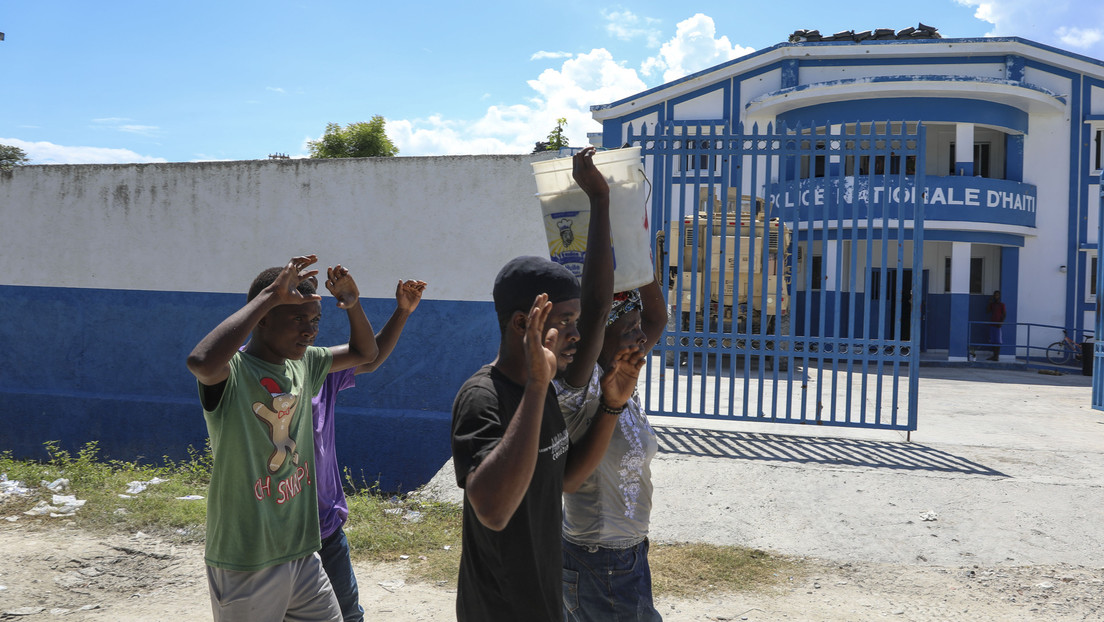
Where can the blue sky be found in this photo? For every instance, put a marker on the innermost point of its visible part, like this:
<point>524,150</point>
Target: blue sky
<point>150,81</point>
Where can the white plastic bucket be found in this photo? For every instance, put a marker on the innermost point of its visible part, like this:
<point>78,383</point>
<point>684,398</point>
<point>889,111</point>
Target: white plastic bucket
<point>566,213</point>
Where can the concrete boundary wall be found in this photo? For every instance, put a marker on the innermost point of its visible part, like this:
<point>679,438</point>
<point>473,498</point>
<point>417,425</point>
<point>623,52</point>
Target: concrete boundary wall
<point>113,272</point>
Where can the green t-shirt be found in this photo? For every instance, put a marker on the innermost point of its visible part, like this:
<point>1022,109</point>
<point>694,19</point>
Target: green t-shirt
<point>262,505</point>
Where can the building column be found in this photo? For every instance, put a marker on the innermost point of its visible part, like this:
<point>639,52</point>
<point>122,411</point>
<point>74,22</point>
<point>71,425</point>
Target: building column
<point>830,292</point>
<point>959,347</point>
<point>835,163</point>
<point>1013,157</point>
<point>1009,289</point>
<point>964,150</point>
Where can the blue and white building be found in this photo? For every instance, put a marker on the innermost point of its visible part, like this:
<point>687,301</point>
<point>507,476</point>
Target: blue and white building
<point>113,273</point>
<point>1013,133</point>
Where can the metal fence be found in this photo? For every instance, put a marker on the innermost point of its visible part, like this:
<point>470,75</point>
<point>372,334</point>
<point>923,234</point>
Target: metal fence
<point>791,256</point>
<point>1062,349</point>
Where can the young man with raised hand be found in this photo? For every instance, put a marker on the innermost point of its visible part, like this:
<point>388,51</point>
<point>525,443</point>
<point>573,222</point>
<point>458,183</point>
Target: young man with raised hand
<point>607,502</point>
<point>262,509</point>
<point>511,450</point>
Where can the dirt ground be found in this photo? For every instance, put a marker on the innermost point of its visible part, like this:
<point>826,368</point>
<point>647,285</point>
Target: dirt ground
<point>53,571</point>
<point>989,514</point>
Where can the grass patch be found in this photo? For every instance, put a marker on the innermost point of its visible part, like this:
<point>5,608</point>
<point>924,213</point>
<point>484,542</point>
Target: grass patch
<point>385,528</point>
<point>99,483</point>
<point>421,534</point>
<point>687,570</point>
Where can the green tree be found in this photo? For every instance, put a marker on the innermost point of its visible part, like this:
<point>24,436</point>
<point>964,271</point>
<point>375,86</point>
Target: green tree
<point>12,156</point>
<point>556,138</point>
<point>355,140</point>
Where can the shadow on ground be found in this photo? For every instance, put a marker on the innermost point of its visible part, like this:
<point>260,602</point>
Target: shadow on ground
<point>814,450</point>
<point>1013,373</point>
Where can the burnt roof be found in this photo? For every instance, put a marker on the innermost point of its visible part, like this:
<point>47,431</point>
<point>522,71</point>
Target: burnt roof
<point>921,31</point>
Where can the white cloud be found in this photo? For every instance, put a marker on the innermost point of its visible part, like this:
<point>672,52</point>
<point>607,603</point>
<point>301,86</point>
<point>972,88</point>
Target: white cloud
<point>276,89</point>
<point>1062,23</point>
<point>541,55</point>
<point>626,25</point>
<point>581,81</point>
<point>42,152</point>
<point>122,124</point>
<point>694,47</point>
<point>1079,37</point>
<point>567,92</point>
<point>144,130</point>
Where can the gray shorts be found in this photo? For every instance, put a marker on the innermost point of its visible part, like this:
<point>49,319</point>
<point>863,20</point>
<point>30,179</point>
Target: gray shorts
<point>294,591</point>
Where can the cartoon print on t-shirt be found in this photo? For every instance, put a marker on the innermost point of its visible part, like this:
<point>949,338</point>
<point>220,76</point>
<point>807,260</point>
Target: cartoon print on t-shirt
<point>278,419</point>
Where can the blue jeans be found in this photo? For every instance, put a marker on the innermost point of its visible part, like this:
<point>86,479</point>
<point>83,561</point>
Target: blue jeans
<point>339,568</point>
<point>607,585</point>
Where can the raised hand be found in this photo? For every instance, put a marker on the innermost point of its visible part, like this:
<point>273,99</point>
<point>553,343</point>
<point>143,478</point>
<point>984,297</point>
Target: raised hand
<point>587,175</point>
<point>285,287</point>
<point>408,294</point>
<point>619,380</point>
<point>539,356</point>
<point>342,286</point>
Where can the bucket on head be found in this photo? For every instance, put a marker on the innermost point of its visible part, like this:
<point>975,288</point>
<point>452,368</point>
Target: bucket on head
<point>566,211</point>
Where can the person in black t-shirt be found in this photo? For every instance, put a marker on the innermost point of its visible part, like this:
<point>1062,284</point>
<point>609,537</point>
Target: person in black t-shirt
<point>510,446</point>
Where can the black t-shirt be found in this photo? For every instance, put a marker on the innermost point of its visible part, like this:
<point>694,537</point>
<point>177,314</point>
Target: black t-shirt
<point>517,573</point>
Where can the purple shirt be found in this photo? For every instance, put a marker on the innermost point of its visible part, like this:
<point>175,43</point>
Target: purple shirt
<point>332,509</point>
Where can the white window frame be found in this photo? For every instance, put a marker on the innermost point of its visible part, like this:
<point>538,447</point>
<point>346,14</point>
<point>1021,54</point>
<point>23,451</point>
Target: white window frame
<point>1096,149</point>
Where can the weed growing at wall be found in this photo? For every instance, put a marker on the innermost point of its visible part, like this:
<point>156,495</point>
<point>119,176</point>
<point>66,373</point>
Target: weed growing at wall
<point>420,534</point>
<point>166,502</point>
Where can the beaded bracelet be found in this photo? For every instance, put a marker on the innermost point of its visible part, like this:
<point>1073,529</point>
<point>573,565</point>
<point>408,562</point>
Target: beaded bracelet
<point>610,411</point>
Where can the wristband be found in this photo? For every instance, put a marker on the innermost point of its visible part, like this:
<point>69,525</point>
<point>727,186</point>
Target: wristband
<point>608,410</point>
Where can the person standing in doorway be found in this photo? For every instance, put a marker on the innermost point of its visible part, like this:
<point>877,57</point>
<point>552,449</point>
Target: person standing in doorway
<point>997,313</point>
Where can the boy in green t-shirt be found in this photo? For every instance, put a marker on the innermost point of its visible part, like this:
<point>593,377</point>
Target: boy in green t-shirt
<point>262,508</point>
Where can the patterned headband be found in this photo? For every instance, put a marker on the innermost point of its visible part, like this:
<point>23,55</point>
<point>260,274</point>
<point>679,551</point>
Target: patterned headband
<point>623,302</point>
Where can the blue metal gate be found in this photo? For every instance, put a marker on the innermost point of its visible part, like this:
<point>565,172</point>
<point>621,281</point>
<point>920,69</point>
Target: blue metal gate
<point>1098,343</point>
<point>791,256</point>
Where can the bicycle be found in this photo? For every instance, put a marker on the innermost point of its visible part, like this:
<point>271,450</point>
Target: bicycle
<point>1060,352</point>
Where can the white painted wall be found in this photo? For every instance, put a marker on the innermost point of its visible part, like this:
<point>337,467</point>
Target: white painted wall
<point>766,82</point>
<point>814,75</point>
<point>1048,80</point>
<point>707,107</point>
<point>1041,284</point>
<point>211,227</point>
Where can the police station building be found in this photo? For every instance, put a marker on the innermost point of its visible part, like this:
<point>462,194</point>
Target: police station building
<point>1002,139</point>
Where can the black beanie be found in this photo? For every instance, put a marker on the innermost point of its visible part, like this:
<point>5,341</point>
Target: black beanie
<point>524,278</point>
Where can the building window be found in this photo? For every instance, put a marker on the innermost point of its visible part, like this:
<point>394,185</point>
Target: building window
<point>946,274</point>
<point>976,274</point>
<point>816,165</point>
<point>1098,157</point>
<point>981,159</point>
<point>1092,279</point>
<point>816,272</point>
<point>875,286</point>
<point>698,161</point>
<point>879,167</point>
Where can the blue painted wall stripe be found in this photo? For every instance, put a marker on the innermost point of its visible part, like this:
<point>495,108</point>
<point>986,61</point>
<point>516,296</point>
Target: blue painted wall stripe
<point>110,367</point>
